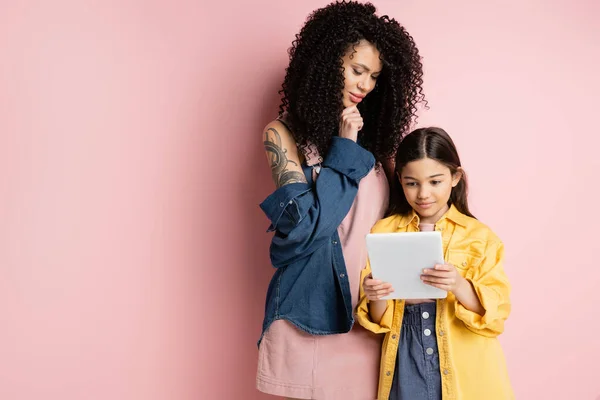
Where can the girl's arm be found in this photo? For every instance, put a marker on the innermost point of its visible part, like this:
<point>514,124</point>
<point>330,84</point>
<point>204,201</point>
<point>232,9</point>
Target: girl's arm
<point>482,296</point>
<point>492,289</point>
<point>377,309</point>
<point>465,294</point>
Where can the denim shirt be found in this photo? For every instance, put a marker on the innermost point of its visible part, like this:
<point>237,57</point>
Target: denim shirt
<point>310,287</point>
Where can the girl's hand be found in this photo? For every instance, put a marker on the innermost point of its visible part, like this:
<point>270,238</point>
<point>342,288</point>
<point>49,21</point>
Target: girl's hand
<point>443,276</point>
<point>376,289</point>
<point>350,123</point>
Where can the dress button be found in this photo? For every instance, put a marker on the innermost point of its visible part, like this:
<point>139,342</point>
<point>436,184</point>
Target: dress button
<point>280,204</point>
<point>427,332</point>
<point>441,333</point>
<point>334,242</point>
<point>446,372</point>
<point>394,337</point>
<point>342,275</point>
<point>464,263</point>
<point>388,373</point>
<point>429,351</point>
<point>425,315</point>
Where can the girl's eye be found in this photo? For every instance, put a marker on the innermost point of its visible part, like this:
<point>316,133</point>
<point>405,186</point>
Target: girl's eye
<point>375,77</point>
<point>356,72</point>
<point>434,183</point>
<point>411,184</point>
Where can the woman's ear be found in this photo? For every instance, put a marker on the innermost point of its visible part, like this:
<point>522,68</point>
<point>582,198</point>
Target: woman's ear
<point>457,176</point>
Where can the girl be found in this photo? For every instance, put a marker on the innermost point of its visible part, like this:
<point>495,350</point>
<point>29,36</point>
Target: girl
<point>446,348</point>
<point>349,94</point>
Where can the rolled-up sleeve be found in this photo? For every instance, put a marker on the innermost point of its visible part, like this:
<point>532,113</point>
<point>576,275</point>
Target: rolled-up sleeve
<point>304,217</point>
<point>284,202</point>
<point>493,290</point>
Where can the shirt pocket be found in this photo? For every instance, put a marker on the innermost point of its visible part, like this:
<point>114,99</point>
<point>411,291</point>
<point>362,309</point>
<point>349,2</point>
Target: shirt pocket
<point>464,260</point>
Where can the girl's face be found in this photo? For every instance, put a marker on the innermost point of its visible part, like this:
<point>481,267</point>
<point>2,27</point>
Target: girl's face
<point>362,67</point>
<point>427,185</point>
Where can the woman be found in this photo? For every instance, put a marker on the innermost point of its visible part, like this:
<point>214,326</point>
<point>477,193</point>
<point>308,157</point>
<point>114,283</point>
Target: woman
<point>350,92</point>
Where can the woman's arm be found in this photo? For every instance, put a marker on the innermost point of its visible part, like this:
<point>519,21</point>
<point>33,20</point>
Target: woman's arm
<point>282,155</point>
<point>303,216</point>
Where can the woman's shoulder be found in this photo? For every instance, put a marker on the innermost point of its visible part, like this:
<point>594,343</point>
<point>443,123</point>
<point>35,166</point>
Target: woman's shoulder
<point>280,126</point>
<point>278,139</point>
<point>277,131</point>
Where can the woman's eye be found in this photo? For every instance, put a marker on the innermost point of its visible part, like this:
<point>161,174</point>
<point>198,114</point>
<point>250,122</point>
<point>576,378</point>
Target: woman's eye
<point>435,182</point>
<point>411,184</point>
<point>356,72</point>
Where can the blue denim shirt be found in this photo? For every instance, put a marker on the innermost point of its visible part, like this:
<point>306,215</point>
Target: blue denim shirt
<point>310,287</point>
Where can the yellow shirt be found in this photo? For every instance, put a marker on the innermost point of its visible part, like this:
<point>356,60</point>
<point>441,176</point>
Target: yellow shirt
<point>472,364</point>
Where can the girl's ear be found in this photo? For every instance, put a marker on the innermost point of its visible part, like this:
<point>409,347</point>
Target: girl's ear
<point>457,176</point>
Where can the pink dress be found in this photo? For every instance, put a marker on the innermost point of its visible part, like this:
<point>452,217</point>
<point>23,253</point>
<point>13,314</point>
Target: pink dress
<point>295,364</point>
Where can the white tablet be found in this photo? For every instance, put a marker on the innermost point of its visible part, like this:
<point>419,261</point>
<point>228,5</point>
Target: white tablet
<point>399,259</point>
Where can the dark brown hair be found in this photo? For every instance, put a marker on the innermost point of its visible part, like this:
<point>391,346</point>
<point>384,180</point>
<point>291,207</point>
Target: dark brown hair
<point>314,80</point>
<point>435,144</point>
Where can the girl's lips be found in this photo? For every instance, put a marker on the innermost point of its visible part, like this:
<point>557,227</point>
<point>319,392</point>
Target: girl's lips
<point>425,205</point>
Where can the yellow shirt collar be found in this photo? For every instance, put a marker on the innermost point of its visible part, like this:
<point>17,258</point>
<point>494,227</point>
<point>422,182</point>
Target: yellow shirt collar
<point>452,214</point>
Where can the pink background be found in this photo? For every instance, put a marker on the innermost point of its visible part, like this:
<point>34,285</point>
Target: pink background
<point>133,258</point>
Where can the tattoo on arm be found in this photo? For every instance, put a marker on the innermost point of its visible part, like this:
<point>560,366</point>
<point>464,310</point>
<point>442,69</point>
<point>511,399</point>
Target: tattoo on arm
<point>279,161</point>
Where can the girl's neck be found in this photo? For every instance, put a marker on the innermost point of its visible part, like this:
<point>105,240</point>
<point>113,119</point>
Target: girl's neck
<point>432,220</point>
<point>426,227</point>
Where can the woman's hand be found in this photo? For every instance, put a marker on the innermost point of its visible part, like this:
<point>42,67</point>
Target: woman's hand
<point>350,123</point>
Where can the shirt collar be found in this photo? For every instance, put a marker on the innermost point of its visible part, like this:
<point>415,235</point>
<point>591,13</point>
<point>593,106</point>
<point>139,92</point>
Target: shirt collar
<point>452,214</point>
<point>407,219</point>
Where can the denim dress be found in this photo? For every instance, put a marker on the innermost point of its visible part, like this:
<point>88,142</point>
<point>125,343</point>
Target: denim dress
<point>417,373</point>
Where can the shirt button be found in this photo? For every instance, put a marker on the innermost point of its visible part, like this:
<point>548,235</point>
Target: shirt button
<point>425,315</point>
<point>464,263</point>
<point>429,351</point>
<point>334,242</point>
<point>280,204</point>
<point>388,373</point>
<point>394,337</point>
<point>441,333</point>
<point>342,275</point>
<point>427,332</point>
<point>446,372</point>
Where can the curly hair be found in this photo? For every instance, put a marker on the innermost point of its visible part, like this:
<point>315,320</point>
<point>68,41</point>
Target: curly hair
<point>311,93</point>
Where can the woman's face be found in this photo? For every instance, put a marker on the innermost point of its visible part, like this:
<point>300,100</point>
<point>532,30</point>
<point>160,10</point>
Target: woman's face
<point>362,67</point>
